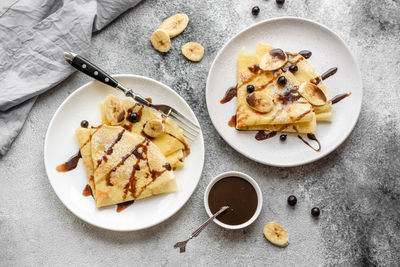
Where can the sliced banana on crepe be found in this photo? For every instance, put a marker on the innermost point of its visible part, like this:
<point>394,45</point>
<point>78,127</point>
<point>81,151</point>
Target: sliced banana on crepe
<point>175,24</point>
<point>260,101</point>
<point>314,95</point>
<point>114,110</point>
<point>193,51</point>
<point>276,234</point>
<point>273,60</point>
<point>160,40</point>
<point>153,128</point>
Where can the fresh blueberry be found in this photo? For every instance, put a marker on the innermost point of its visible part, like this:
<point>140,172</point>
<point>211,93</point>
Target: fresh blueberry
<point>315,212</point>
<point>133,117</point>
<point>250,88</point>
<point>292,200</point>
<point>84,123</point>
<point>255,10</point>
<point>282,80</point>
<point>280,2</point>
<point>293,68</point>
<point>283,137</point>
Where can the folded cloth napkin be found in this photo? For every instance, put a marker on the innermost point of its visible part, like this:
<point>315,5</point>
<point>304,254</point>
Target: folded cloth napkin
<point>33,36</point>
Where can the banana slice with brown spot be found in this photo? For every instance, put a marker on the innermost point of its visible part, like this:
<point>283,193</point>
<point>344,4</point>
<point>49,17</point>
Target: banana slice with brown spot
<point>276,234</point>
<point>273,60</point>
<point>193,51</point>
<point>160,40</point>
<point>153,128</point>
<point>312,93</point>
<point>114,110</point>
<point>260,101</point>
<point>175,24</point>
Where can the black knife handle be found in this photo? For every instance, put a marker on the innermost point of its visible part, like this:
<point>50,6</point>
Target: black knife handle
<point>92,70</point>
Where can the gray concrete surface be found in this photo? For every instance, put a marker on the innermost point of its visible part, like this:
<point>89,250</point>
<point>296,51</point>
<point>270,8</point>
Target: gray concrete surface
<point>357,186</point>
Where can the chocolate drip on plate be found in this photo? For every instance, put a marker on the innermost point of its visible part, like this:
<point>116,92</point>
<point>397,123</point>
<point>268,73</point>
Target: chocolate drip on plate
<point>311,137</point>
<point>229,95</point>
<point>339,97</point>
<point>124,205</point>
<point>263,135</point>
<point>328,73</point>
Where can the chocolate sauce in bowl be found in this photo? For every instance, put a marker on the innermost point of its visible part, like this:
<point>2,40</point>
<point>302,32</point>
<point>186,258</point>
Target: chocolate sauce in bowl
<point>70,164</point>
<point>229,95</point>
<point>238,194</point>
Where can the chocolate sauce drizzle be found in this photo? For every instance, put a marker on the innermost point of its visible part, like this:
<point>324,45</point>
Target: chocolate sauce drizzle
<point>124,205</point>
<point>229,95</point>
<point>305,53</point>
<point>232,121</point>
<point>87,191</point>
<point>254,69</point>
<point>263,135</point>
<point>70,164</point>
<point>328,73</point>
<point>340,97</point>
<point>110,150</point>
<point>311,137</point>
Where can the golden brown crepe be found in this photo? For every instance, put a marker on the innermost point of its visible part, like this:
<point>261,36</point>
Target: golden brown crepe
<point>125,166</point>
<point>294,114</point>
<point>172,142</point>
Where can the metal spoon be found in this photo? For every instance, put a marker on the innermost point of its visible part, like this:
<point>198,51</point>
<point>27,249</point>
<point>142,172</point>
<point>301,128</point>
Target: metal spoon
<point>182,245</point>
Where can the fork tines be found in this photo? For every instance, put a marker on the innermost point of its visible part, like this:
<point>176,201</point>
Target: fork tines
<point>190,130</point>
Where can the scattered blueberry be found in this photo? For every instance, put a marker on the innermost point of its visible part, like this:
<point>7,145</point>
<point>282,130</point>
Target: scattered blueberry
<point>133,117</point>
<point>293,68</point>
<point>280,2</point>
<point>255,10</point>
<point>84,123</point>
<point>283,137</point>
<point>250,88</point>
<point>292,200</point>
<point>282,80</point>
<point>315,212</point>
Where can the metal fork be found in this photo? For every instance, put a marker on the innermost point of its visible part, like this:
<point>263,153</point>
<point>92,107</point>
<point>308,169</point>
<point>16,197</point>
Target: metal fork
<point>182,245</point>
<point>190,129</point>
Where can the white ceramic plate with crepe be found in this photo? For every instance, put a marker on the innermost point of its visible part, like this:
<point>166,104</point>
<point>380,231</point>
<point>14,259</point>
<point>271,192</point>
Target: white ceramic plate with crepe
<point>290,34</point>
<point>61,143</point>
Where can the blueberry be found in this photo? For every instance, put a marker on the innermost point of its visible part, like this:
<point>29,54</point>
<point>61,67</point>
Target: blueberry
<point>250,88</point>
<point>293,68</point>
<point>255,10</point>
<point>315,212</point>
<point>282,80</point>
<point>292,200</point>
<point>84,123</point>
<point>133,117</point>
<point>280,2</point>
<point>283,137</point>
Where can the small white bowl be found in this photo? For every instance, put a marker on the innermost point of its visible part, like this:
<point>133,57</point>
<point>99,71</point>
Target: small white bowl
<point>247,178</point>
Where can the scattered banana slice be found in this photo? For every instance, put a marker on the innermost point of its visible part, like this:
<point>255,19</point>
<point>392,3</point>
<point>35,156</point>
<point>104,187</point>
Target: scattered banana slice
<point>273,60</point>
<point>260,101</point>
<point>114,110</point>
<point>175,24</point>
<point>160,40</point>
<point>312,93</point>
<point>276,234</point>
<point>193,51</point>
<point>153,128</point>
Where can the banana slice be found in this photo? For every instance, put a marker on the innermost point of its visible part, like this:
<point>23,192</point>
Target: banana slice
<point>160,40</point>
<point>273,60</point>
<point>175,24</point>
<point>153,128</point>
<point>114,110</point>
<point>276,234</point>
<point>193,51</point>
<point>260,101</point>
<point>314,95</point>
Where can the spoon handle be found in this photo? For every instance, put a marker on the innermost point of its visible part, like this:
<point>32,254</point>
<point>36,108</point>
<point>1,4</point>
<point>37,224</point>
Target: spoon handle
<point>201,227</point>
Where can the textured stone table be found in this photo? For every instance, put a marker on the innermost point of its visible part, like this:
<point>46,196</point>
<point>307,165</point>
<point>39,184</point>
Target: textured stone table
<point>357,186</point>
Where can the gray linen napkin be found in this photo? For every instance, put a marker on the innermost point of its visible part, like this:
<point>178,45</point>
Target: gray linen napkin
<point>33,36</point>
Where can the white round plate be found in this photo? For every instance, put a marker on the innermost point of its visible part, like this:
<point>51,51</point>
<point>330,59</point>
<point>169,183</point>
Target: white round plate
<point>60,144</point>
<point>291,34</point>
